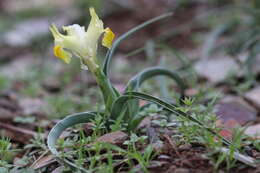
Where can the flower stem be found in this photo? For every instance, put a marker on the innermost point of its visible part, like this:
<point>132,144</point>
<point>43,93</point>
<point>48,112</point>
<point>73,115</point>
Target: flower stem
<point>109,93</point>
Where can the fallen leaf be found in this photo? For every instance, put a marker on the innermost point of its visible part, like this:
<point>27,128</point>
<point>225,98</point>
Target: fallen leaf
<point>117,137</point>
<point>17,134</point>
<point>43,161</point>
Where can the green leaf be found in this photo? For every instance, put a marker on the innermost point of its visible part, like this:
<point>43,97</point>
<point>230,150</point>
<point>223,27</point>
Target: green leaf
<point>111,52</point>
<point>167,106</point>
<point>135,83</point>
<point>56,131</point>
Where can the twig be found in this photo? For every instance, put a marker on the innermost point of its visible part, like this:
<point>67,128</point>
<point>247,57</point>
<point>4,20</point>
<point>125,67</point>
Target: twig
<point>240,157</point>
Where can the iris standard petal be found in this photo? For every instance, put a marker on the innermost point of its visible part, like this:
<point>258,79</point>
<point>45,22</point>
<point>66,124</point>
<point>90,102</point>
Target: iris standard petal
<point>94,31</point>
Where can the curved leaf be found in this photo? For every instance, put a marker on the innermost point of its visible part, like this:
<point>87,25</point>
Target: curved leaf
<point>127,34</point>
<point>135,83</point>
<point>167,106</point>
<point>57,130</point>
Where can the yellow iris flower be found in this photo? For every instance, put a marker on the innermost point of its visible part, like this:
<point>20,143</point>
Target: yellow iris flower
<point>79,42</point>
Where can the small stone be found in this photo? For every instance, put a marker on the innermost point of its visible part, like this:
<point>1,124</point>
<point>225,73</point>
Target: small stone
<point>254,97</point>
<point>216,69</point>
<point>233,110</point>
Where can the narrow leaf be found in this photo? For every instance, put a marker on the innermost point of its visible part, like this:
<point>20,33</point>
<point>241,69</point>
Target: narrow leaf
<point>111,52</point>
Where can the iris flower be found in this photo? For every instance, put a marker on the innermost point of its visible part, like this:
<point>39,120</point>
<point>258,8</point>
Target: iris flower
<point>81,43</point>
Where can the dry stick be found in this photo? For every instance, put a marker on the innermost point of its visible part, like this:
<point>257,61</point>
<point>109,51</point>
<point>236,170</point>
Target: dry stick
<point>240,157</point>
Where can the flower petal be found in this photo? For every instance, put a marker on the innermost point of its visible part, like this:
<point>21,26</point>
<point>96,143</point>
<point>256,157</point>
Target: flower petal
<point>94,31</point>
<point>73,41</point>
<point>55,32</point>
<point>62,54</point>
<point>75,30</point>
<point>108,38</point>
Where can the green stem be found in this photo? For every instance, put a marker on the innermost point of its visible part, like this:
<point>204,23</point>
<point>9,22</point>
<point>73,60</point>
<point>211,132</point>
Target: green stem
<point>109,93</point>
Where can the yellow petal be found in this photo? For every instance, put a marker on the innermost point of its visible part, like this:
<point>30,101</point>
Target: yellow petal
<point>94,31</point>
<point>108,38</point>
<point>62,54</point>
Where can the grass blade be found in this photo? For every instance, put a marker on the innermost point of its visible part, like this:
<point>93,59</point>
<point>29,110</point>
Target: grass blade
<point>212,38</point>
